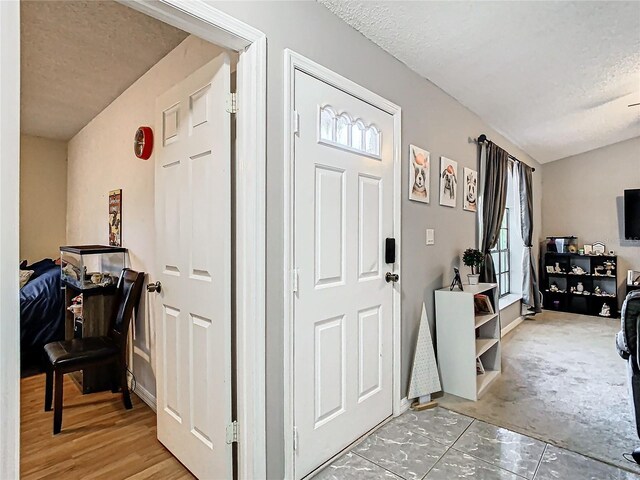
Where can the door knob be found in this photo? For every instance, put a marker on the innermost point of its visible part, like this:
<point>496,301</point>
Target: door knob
<point>154,287</point>
<point>391,277</point>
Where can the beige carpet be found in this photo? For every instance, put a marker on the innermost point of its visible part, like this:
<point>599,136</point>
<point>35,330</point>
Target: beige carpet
<point>562,382</point>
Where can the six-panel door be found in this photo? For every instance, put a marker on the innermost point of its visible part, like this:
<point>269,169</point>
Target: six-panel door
<point>193,235</point>
<point>343,307</point>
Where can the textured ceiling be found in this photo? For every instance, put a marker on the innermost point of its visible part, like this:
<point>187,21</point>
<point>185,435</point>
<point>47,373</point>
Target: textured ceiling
<point>553,77</point>
<point>78,56</point>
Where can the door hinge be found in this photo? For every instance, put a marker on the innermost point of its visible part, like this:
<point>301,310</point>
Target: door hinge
<point>294,280</point>
<point>296,122</point>
<point>232,103</point>
<point>295,438</point>
<point>232,432</point>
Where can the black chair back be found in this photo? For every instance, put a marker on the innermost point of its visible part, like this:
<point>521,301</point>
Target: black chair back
<point>127,298</point>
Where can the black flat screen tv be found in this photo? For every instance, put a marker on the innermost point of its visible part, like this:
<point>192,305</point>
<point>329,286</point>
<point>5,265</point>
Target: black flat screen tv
<point>632,214</point>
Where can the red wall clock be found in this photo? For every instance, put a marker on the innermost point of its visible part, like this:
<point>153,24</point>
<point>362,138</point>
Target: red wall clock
<point>143,143</point>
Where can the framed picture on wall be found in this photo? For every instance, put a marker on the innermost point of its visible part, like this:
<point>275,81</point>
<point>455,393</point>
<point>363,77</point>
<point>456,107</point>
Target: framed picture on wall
<point>469,202</point>
<point>448,182</point>
<point>115,218</point>
<point>419,174</point>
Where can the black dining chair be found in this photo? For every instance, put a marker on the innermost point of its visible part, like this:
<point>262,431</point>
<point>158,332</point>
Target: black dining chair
<point>80,353</point>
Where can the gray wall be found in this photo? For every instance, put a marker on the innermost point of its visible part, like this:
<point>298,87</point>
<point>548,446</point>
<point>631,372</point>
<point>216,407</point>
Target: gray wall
<point>583,196</point>
<point>430,119</point>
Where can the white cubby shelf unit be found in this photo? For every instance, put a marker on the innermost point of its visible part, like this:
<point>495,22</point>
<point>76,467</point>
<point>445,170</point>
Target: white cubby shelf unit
<point>464,336</point>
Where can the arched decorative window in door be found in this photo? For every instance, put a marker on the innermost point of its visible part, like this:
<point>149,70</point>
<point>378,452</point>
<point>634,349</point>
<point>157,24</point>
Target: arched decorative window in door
<point>341,130</point>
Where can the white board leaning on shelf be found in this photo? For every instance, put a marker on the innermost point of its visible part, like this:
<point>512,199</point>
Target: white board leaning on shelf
<point>424,373</point>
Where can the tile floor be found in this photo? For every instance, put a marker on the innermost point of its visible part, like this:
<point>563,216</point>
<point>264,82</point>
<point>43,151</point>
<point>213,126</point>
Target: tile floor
<point>440,444</point>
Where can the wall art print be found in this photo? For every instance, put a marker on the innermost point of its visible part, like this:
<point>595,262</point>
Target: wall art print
<point>448,182</point>
<point>470,178</point>
<point>419,174</point>
<point>115,218</point>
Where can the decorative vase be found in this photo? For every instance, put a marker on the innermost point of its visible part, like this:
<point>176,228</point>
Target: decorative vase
<point>580,287</point>
<point>474,278</point>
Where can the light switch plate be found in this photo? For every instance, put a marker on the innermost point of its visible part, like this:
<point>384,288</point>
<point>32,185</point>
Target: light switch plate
<point>430,238</point>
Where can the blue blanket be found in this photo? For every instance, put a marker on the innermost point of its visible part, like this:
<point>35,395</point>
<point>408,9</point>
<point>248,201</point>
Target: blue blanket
<point>41,307</point>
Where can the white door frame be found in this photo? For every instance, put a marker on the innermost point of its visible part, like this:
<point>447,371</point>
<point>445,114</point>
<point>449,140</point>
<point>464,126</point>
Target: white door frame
<point>210,24</point>
<point>292,62</point>
<point>9,238</point>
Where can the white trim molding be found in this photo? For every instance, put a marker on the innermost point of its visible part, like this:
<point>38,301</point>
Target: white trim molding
<point>9,239</point>
<point>146,396</point>
<point>405,404</point>
<point>292,62</point>
<point>509,300</point>
<point>251,188</point>
<point>201,19</point>
<point>511,326</point>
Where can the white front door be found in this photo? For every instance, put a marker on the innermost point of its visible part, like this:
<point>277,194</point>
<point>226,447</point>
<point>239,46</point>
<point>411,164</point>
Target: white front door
<point>193,235</point>
<point>344,197</point>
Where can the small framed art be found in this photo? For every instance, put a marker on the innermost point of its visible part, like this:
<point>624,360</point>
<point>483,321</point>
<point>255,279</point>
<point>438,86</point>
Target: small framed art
<point>115,218</point>
<point>419,174</point>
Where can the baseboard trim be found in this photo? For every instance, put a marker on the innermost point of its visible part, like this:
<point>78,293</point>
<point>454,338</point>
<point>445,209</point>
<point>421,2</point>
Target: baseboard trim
<point>405,404</point>
<point>511,326</point>
<point>146,397</point>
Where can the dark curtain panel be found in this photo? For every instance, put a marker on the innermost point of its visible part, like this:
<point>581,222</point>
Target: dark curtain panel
<point>530,294</point>
<point>493,205</point>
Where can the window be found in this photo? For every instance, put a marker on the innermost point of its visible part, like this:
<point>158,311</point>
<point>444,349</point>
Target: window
<point>343,132</point>
<point>508,252</point>
<point>501,256</point>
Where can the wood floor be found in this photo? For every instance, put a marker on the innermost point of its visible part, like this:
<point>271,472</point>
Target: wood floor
<point>99,438</point>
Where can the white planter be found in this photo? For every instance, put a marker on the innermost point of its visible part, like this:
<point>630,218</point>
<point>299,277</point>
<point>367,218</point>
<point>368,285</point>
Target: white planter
<point>474,278</point>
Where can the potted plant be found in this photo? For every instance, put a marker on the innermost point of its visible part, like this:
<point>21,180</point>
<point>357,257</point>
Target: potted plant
<point>473,258</point>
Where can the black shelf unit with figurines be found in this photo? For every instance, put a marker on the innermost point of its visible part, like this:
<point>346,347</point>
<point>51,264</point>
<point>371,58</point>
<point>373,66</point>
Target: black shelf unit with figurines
<point>581,284</point>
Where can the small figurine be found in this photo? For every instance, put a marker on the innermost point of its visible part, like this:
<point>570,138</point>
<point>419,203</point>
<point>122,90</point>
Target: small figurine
<point>457,281</point>
<point>69,271</point>
<point>597,290</point>
<point>554,288</point>
<point>558,269</point>
<point>610,266</point>
<point>577,270</point>
<point>606,310</point>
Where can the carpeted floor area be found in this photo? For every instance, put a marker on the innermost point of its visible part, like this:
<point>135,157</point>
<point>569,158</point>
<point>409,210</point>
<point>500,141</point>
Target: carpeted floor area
<point>562,382</point>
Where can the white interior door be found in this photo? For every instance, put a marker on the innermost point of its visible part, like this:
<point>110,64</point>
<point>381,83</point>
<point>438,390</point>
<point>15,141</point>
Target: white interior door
<point>344,188</point>
<point>193,235</point>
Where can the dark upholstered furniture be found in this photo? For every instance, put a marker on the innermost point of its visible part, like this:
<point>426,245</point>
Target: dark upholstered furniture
<point>77,354</point>
<point>628,345</point>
